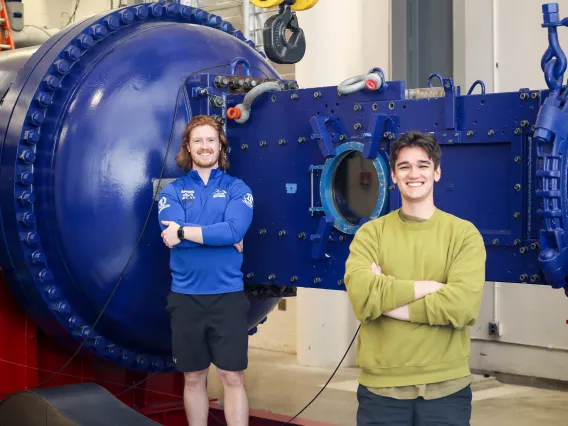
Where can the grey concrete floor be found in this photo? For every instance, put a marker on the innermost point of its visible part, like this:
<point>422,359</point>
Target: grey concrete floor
<point>276,383</point>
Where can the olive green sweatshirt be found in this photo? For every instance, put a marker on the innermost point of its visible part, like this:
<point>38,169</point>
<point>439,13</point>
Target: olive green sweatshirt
<point>434,345</point>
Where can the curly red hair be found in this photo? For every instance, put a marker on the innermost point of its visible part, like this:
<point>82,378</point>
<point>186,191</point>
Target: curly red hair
<point>183,157</point>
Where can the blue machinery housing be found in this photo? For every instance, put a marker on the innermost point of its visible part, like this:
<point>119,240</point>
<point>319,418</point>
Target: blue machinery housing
<point>93,118</point>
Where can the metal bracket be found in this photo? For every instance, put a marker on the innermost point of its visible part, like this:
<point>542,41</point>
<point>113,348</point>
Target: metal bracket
<point>324,138</point>
<point>312,208</point>
<point>321,239</point>
<point>379,124</point>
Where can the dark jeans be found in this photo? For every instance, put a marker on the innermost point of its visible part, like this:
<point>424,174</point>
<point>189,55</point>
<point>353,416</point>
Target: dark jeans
<point>376,410</point>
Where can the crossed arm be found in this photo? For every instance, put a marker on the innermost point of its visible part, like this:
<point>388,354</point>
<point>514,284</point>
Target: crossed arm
<point>231,231</point>
<point>455,303</point>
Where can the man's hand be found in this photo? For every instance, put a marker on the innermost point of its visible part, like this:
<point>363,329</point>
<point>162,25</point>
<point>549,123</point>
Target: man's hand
<point>376,269</point>
<point>424,288</point>
<point>239,246</point>
<point>169,235</point>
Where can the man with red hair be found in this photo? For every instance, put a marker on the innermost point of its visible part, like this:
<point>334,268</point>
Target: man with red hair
<point>204,216</point>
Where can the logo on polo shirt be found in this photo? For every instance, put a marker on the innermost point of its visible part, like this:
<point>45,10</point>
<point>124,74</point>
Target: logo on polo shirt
<point>220,193</point>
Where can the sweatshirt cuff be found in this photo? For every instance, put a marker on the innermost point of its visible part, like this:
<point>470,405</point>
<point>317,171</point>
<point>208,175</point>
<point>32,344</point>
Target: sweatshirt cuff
<point>417,311</point>
<point>403,292</point>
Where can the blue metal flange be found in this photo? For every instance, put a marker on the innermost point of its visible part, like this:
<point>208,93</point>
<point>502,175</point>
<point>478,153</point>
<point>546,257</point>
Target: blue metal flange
<point>327,192</point>
<point>39,94</point>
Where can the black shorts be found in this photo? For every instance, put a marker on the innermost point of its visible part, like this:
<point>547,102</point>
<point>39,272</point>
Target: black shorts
<point>209,328</point>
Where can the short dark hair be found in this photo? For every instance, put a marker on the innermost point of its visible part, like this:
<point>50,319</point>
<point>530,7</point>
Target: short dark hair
<point>414,138</point>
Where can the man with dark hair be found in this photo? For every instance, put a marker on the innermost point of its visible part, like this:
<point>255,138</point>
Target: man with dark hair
<point>415,279</point>
<point>204,216</point>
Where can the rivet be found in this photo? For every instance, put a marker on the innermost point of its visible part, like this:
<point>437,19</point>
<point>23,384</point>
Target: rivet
<point>26,198</point>
<point>340,283</point>
<point>32,238</point>
<point>282,142</point>
<point>112,22</point>
<point>185,12</point>
<point>342,137</point>
<point>45,275</point>
<point>262,143</point>
<point>294,96</point>
<point>244,146</point>
<point>271,277</point>
<point>534,278</point>
<point>27,218</point>
<point>524,96</point>
<point>357,126</point>
<point>200,16</point>
<point>357,107</point>
<point>61,307</point>
<point>215,21</point>
<point>26,178</point>
<point>302,235</point>
<point>126,16</point>
<point>317,280</point>
<point>141,12</point>
<point>375,107</point>
<point>301,139</point>
<point>113,350</point>
<point>517,131</point>
<point>74,321</point>
<point>516,242</point>
<point>156,10</point>
<point>36,118</point>
<point>61,67</point>
<point>294,278</point>
<point>172,9</point>
<point>250,275</point>
<point>533,127</point>
<point>391,105</point>
<point>73,53</point>
<point>51,82</point>
<point>317,94</point>
<point>228,27</point>
<point>99,31</point>
<point>524,123</point>
<point>52,291</point>
<point>495,242</point>
<point>157,364</point>
<point>85,41</point>
<point>142,361</point>
<point>523,250</point>
<point>391,187</point>
<point>43,100</point>
<point>524,278</point>
<point>262,232</point>
<point>31,137</point>
<point>282,233</point>
<point>38,257</point>
<point>98,342</point>
<point>469,133</point>
<point>491,132</point>
<point>517,215</point>
<point>535,245</point>
<point>517,159</point>
<point>517,187</point>
<point>27,156</point>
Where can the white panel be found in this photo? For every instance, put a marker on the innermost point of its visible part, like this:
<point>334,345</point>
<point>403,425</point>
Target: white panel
<point>521,42</point>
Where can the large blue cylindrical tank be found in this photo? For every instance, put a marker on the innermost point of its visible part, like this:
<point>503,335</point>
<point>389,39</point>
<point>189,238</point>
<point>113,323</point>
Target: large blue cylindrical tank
<point>86,119</point>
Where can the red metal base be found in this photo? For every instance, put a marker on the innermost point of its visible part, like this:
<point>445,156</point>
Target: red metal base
<point>28,357</point>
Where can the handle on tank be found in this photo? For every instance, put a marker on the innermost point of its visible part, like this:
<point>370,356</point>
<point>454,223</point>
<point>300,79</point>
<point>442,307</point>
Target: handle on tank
<point>431,77</point>
<point>238,60</point>
<point>475,83</point>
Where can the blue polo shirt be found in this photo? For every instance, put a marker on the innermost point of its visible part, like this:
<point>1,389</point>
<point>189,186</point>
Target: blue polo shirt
<point>224,210</point>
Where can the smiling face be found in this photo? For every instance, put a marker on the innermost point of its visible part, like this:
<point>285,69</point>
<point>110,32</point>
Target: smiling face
<point>204,147</point>
<point>415,173</point>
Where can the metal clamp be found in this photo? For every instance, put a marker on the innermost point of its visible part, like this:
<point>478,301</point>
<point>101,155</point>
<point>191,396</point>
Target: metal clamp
<point>276,47</point>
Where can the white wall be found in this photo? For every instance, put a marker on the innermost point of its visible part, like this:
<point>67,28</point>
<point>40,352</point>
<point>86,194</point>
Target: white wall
<point>56,13</point>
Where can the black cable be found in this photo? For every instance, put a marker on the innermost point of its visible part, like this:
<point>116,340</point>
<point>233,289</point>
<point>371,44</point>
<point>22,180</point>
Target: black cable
<point>329,380</point>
